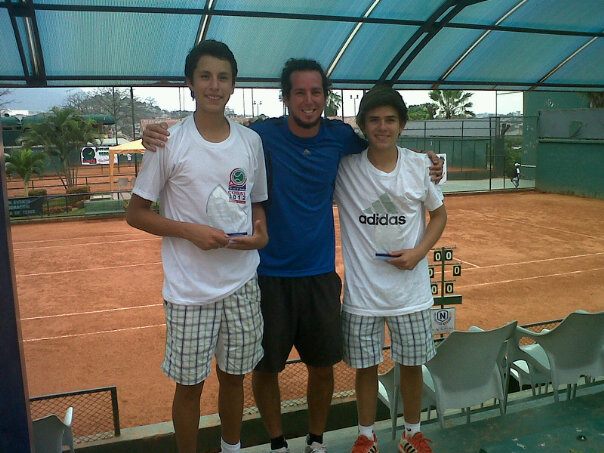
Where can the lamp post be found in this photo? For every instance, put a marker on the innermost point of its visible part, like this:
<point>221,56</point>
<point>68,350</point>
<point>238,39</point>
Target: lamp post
<point>354,98</point>
<point>257,104</point>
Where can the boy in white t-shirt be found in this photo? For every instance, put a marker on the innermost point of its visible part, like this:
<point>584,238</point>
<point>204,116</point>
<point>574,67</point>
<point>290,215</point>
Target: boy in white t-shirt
<point>382,195</point>
<point>210,187</point>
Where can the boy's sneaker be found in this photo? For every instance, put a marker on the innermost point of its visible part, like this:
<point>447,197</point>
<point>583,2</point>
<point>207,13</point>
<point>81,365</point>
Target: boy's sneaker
<point>415,444</point>
<point>364,444</point>
<point>280,450</point>
<point>315,447</point>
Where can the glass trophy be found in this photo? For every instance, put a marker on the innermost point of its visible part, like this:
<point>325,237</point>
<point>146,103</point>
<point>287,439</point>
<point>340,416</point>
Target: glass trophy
<point>226,215</point>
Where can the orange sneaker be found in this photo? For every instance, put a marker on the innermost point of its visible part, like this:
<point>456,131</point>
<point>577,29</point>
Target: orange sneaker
<point>415,444</point>
<point>364,444</point>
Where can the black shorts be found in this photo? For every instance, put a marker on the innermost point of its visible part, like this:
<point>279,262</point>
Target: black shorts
<point>303,312</point>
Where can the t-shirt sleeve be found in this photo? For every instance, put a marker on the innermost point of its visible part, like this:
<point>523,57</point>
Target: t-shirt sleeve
<point>153,174</point>
<point>259,191</point>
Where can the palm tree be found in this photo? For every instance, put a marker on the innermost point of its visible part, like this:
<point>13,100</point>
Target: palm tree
<point>334,101</point>
<point>62,133</point>
<point>25,163</point>
<point>452,103</point>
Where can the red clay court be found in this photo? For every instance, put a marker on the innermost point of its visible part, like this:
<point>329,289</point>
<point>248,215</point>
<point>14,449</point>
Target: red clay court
<point>90,291</point>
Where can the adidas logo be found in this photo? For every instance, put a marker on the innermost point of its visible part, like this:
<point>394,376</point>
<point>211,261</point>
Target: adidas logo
<point>382,219</point>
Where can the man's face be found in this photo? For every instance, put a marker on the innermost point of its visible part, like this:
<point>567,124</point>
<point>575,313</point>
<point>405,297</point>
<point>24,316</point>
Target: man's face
<point>382,127</point>
<point>306,102</point>
<point>212,84</point>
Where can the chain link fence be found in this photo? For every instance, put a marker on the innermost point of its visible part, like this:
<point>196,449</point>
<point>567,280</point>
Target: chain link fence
<point>95,412</point>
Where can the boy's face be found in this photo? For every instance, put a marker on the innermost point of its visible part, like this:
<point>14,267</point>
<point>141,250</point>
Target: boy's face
<point>382,127</point>
<point>306,100</point>
<point>212,84</point>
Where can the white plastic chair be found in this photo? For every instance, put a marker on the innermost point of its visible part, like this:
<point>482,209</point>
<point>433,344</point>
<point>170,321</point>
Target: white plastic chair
<point>51,434</point>
<point>573,349</point>
<point>529,364</point>
<point>389,392</point>
<point>466,372</point>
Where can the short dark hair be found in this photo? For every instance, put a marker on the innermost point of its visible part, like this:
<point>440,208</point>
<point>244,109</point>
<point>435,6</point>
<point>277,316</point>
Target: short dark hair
<point>212,48</point>
<point>380,96</point>
<point>301,64</point>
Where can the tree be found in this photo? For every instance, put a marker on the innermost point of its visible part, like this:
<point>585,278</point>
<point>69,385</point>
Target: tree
<point>117,103</point>
<point>25,163</point>
<point>3,98</point>
<point>62,133</point>
<point>425,111</point>
<point>452,103</point>
<point>333,103</point>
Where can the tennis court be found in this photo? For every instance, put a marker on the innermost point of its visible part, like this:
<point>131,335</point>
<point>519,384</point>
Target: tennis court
<point>90,291</point>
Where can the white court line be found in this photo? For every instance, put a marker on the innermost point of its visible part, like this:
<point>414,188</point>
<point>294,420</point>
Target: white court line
<point>518,263</point>
<point>535,225</point>
<point>69,239</point>
<point>94,312</point>
<point>82,244</point>
<point>88,269</point>
<point>467,262</point>
<point>31,340</point>
<point>561,274</point>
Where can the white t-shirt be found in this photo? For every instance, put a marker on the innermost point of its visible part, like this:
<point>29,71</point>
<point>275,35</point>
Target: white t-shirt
<point>211,184</point>
<point>381,212</point>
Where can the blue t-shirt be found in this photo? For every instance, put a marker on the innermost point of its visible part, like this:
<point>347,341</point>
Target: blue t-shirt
<point>301,176</point>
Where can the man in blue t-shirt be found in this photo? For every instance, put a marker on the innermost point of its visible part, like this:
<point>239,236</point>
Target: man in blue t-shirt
<point>300,290</point>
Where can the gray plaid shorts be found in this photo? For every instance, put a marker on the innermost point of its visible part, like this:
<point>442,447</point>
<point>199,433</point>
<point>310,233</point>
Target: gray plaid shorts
<point>230,328</point>
<point>410,334</point>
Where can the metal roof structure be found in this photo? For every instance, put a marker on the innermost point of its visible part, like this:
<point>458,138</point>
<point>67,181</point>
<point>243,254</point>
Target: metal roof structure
<point>414,44</point>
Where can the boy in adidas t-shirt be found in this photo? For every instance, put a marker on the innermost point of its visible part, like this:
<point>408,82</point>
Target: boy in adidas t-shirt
<point>210,185</point>
<point>382,195</point>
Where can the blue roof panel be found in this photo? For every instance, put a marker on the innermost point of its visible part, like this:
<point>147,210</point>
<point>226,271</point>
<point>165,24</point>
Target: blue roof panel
<point>112,44</point>
<point>485,13</point>
<point>506,57</point>
<point>586,15</point>
<point>371,50</point>
<point>259,53</point>
<point>582,66</point>
<point>436,58</point>
<point>127,3</point>
<point>318,7</point>
<point>405,10</point>
<point>10,63</point>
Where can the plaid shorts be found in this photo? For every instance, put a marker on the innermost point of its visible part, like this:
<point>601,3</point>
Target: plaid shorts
<point>410,335</point>
<point>230,328</point>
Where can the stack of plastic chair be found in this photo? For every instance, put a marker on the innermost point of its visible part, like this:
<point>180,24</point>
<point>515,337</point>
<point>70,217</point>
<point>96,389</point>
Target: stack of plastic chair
<point>51,433</point>
<point>574,349</point>
<point>466,370</point>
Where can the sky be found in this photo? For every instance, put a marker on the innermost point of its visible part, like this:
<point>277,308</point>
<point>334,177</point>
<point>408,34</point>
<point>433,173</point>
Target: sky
<point>266,101</point>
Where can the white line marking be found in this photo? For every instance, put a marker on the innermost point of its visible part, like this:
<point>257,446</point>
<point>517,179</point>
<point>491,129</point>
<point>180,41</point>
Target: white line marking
<point>535,225</point>
<point>82,244</point>
<point>518,263</point>
<point>561,274</point>
<point>31,340</point>
<point>70,239</point>
<point>94,312</point>
<point>90,269</point>
<point>467,262</point>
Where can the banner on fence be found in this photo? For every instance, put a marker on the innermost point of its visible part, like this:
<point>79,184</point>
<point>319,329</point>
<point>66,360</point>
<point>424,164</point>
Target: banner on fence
<point>96,155</point>
<point>24,207</point>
